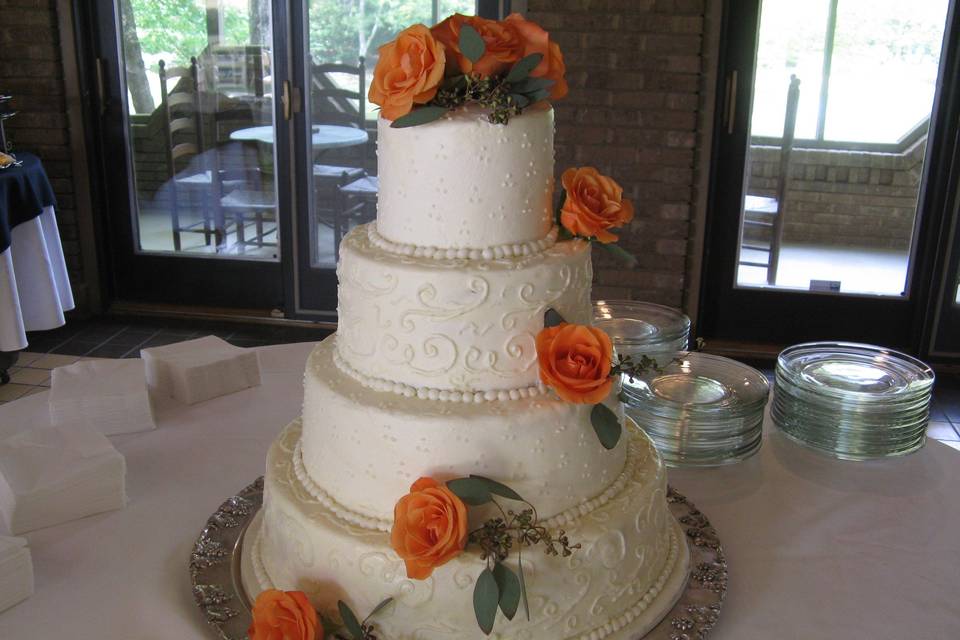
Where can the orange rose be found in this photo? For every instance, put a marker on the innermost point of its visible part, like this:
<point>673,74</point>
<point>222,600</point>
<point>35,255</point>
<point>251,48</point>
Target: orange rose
<point>284,615</point>
<point>408,72</point>
<point>504,44</point>
<point>594,203</point>
<point>429,527</point>
<point>575,360</point>
<point>536,40</point>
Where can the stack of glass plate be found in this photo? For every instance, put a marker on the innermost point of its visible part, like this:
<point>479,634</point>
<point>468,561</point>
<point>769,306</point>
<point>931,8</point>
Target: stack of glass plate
<point>641,328</point>
<point>853,401</point>
<point>699,409</point>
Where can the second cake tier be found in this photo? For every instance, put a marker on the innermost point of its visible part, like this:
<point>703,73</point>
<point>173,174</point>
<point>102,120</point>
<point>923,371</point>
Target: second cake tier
<point>426,325</point>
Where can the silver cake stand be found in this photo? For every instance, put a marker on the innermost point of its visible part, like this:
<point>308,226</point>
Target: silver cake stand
<point>215,570</point>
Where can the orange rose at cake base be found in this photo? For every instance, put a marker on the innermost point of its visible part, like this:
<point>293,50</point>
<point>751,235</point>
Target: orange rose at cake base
<point>429,527</point>
<point>284,615</point>
<point>575,360</point>
<point>594,204</point>
<point>409,72</point>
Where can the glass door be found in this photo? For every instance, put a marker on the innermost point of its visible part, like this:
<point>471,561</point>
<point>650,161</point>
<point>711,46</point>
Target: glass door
<point>189,124</point>
<point>339,127</point>
<point>818,209</point>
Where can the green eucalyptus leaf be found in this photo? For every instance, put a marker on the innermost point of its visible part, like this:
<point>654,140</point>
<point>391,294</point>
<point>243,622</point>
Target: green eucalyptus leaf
<point>538,95</point>
<point>472,491</point>
<point>621,254</point>
<point>529,85</point>
<point>471,43</point>
<point>509,586</point>
<point>607,425</point>
<point>498,489</point>
<point>350,620</point>
<point>486,599</point>
<point>520,100</point>
<point>552,318</point>
<point>377,609</point>
<point>523,67</point>
<point>454,82</point>
<point>523,585</point>
<point>420,115</point>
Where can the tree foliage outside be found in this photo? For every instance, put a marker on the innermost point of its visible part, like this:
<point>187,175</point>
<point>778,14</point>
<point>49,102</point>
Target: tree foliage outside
<point>176,30</point>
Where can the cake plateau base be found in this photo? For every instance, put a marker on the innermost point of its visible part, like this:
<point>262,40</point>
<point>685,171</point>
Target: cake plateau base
<point>216,571</point>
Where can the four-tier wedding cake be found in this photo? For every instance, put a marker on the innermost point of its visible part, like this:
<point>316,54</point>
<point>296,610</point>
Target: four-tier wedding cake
<point>437,372</point>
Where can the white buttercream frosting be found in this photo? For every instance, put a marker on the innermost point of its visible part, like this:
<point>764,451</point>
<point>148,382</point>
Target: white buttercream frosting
<point>631,566</point>
<point>465,183</point>
<point>455,325</point>
<point>365,448</point>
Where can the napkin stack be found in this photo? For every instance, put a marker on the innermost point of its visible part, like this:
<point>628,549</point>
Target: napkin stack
<point>53,474</point>
<point>16,572</point>
<point>109,395</point>
<point>201,369</point>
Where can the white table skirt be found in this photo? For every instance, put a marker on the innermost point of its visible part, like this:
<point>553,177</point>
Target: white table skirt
<point>34,286</point>
<point>818,548</point>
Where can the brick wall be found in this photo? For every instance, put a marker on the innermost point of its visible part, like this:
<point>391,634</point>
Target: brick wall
<point>634,68</point>
<point>31,71</point>
<point>845,198</point>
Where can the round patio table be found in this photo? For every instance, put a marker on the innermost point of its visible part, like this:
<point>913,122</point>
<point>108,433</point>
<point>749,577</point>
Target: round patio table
<point>325,136</point>
<point>816,547</point>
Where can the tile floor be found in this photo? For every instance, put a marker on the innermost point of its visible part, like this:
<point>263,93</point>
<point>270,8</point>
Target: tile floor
<point>123,338</point>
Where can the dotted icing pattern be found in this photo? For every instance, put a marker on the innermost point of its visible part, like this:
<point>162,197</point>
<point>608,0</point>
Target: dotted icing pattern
<point>515,250</point>
<point>429,393</point>
<point>564,518</point>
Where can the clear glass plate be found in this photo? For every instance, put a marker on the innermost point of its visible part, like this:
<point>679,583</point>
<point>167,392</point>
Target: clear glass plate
<point>632,325</point>
<point>856,372</point>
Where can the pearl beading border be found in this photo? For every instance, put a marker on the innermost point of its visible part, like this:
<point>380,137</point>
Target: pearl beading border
<point>566,517</point>
<point>512,250</point>
<point>430,393</point>
<point>325,499</point>
<point>631,614</point>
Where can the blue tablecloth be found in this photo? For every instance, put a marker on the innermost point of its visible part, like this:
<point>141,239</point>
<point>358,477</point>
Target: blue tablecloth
<point>24,193</point>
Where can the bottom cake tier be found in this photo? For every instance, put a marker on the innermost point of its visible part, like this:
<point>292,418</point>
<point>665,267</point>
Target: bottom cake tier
<point>630,570</point>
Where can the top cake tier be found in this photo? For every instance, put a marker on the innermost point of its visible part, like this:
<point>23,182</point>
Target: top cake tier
<point>464,183</point>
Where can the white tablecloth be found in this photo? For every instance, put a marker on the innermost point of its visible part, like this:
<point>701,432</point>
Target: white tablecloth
<point>817,548</point>
<point>34,287</point>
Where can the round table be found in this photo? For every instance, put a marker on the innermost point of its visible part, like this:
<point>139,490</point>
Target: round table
<point>817,548</point>
<point>325,136</point>
<point>34,285</point>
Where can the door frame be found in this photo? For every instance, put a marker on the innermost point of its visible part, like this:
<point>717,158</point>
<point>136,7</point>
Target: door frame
<point>200,281</point>
<point>726,312</point>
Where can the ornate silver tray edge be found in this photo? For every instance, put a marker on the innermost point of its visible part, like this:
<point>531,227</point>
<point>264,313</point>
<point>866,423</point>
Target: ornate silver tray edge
<point>215,570</point>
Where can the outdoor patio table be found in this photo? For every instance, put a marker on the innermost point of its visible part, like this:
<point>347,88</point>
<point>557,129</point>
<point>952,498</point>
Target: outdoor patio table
<point>34,287</point>
<point>817,547</point>
<point>325,136</point>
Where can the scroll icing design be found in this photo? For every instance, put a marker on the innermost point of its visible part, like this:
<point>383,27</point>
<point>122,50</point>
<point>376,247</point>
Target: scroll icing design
<point>429,307</point>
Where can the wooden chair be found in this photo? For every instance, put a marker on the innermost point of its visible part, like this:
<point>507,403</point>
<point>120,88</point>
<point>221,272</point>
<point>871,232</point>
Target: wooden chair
<point>350,189</point>
<point>183,133</point>
<point>356,203</point>
<point>764,212</point>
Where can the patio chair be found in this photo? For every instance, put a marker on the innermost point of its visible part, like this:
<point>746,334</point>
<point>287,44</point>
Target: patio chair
<point>356,203</point>
<point>764,212</point>
<point>183,138</point>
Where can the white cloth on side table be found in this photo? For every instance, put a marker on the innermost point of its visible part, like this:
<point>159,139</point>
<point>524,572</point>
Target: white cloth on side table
<point>53,474</point>
<point>16,571</point>
<point>109,395</point>
<point>34,287</point>
<point>196,370</point>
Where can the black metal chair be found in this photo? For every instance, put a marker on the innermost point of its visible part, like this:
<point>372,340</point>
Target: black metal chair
<point>764,213</point>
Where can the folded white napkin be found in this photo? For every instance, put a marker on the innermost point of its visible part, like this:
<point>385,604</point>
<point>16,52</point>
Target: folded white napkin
<point>108,395</point>
<point>16,571</point>
<point>54,474</point>
<point>201,369</point>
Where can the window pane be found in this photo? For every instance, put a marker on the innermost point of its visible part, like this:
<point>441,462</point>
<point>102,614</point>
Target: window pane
<point>343,139</point>
<point>790,43</point>
<point>885,59</point>
<point>200,104</point>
